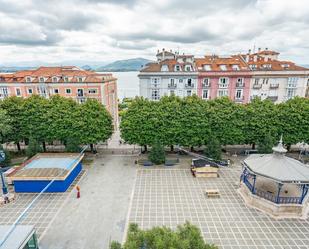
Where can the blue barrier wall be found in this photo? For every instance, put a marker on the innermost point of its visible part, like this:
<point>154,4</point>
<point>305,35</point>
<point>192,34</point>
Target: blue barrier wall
<point>33,186</point>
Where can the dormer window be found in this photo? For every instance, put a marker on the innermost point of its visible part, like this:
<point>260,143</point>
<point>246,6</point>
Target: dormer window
<point>55,79</point>
<point>66,79</point>
<point>285,65</point>
<point>223,67</point>
<point>267,66</point>
<point>28,79</point>
<point>253,66</point>
<point>188,68</point>
<point>235,67</point>
<point>164,68</point>
<point>80,79</point>
<point>41,79</point>
<point>177,68</point>
<point>207,67</point>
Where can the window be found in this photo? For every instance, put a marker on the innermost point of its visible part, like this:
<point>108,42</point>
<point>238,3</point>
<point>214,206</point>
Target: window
<point>180,80</point>
<point>155,94</point>
<point>235,67</point>
<point>66,79</point>
<point>18,91</point>
<point>189,92</point>
<point>188,68</point>
<point>253,67</point>
<point>55,79</point>
<point>239,94</point>
<point>172,81</point>
<point>93,91</point>
<point>207,67</point>
<point>265,81</point>
<point>172,92</point>
<point>164,68</point>
<point>56,91</point>
<point>292,81</point>
<point>308,82</point>
<point>68,91</point>
<point>177,68</point>
<point>4,92</point>
<point>41,79</point>
<point>267,66</point>
<point>256,81</point>
<point>155,82</point>
<point>28,79</point>
<point>80,79</point>
<point>30,90</point>
<point>222,93</point>
<point>206,82</point>
<point>223,67</point>
<point>80,92</point>
<point>42,90</point>
<point>205,94</point>
<point>240,82</point>
<point>223,82</point>
<point>290,93</point>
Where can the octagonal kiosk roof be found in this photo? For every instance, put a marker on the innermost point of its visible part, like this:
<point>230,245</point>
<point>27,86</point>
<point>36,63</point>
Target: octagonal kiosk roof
<point>278,167</point>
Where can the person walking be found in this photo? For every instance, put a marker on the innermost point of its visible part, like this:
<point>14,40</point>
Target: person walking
<point>78,192</point>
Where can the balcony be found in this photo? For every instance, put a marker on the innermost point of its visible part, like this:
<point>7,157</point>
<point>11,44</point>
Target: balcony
<point>257,86</point>
<point>189,85</point>
<point>205,85</point>
<point>239,99</point>
<point>240,85</point>
<point>273,98</point>
<point>291,86</point>
<point>274,86</point>
<point>172,86</point>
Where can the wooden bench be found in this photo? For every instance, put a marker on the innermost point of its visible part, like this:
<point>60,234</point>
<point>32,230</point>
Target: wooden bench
<point>212,193</point>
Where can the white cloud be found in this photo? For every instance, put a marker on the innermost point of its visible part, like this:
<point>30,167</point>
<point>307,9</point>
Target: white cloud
<point>106,30</point>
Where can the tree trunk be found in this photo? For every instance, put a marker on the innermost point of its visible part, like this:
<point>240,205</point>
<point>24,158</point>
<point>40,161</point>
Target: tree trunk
<point>172,148</point>
<point>44,146</point>
<point>145,148</point>
<point>18,146</point>
<point>191,149</point>
<point>253,146</point>
<point>91,147</point>
<point>288,147</point>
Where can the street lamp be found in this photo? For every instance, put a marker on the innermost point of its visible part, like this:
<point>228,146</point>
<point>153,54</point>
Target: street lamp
<point>4,188</point>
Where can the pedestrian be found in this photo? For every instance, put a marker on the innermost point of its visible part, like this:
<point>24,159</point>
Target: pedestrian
<point>78,192</point>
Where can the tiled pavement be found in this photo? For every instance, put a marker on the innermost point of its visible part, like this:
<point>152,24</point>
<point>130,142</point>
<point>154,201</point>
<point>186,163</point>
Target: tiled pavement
<point>172,196</point>
<point>41,213</point>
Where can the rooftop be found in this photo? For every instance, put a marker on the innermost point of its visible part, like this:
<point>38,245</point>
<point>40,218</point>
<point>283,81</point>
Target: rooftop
<point>18,236</point>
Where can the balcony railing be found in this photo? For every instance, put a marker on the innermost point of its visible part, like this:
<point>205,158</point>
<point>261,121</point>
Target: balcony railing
<point>189,85</point>
<point>291,86</point>
<point>172,86</point>
<point>240,85</point>
<point>273,98</point>
<point>274,86</point>
<point>204,85</point>
<point>239,99</point>
<point>257,86</point>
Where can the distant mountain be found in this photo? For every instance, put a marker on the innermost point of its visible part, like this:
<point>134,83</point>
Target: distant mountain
<point>124,65</point>
<point>305,65</point>
<point>87,67</point>
<point>13,69</point>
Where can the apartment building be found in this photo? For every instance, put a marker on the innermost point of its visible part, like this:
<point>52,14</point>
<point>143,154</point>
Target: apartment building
<point>240,77</point>
<point>275,79</point>
<point>170,74</point>
<point>67,81</point>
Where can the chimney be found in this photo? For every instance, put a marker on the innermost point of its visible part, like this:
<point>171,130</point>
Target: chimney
<point>249,51</point>
<point>266,49</point>
<point>259,50</point>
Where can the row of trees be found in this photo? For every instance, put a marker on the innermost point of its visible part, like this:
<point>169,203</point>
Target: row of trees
<point>192,121</point>
<point>186,236</point>
<point>40,120</point>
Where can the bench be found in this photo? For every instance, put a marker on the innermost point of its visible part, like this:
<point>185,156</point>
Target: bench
<point>212,193</point>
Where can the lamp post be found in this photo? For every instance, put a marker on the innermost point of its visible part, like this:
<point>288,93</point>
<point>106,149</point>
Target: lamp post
<point>4,188</point>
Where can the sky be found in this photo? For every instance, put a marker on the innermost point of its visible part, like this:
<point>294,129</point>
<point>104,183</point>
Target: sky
<point>36,32</point>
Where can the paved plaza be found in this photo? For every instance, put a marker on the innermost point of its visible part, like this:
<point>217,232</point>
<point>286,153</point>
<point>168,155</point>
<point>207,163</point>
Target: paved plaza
<point>172,196</point>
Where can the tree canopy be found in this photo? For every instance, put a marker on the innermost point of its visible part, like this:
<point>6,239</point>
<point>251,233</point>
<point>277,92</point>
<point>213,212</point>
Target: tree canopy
<point>192,121</point>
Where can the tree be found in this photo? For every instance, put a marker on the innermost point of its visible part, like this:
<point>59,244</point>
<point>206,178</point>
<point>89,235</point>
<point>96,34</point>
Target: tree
<point>7,157</point>
<point>213,148</point>
<point>115,245</point>
<point>265,144</point>
<point>14,109</point>
<point>186,236</point>
<point>33,147</point>
<point>72,145</point>
<point>261,118</point>
<point>157,153</point>
<point>5,124</point>
<point>92,123</point>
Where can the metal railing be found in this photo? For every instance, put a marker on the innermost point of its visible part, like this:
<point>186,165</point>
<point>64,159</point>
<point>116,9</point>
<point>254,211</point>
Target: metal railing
<point>172,85</point>
<point>257,86</point>
<point>240,85</point>
<point>189,85</point>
